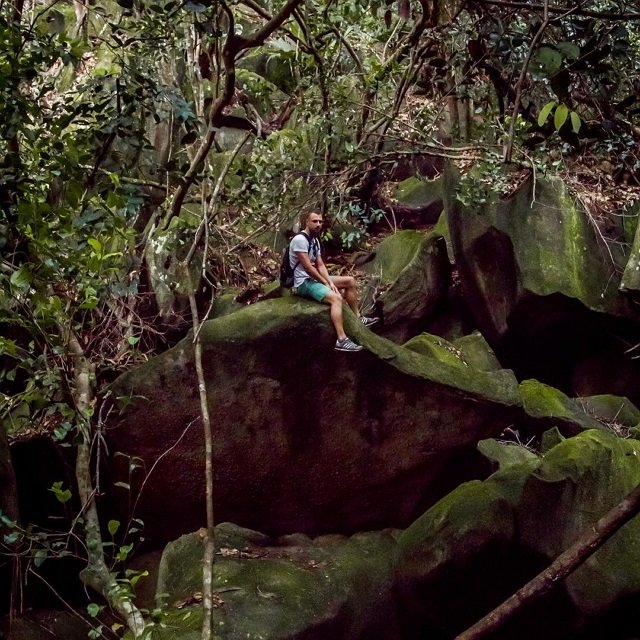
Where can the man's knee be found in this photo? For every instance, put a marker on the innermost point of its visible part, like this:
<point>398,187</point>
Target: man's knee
<point>333,298</point>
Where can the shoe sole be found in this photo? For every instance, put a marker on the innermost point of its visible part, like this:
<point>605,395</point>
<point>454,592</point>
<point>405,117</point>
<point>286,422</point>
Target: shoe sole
<point>347,350</point>
<point>370,324</point>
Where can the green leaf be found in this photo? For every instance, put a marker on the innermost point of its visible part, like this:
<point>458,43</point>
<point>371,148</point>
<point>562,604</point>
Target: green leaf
<point>576,123</point>
<point>95,244</point>
<point>124,551</point>
<point>113,526</point>
<point>137,577</point>
<point>21,279</point>
<point>545,111</point>
<point>133,340</point>
<point>569,50</point>
<point>62,495</point>
<point>549,60</point>
<point>39,557</point>
<point>560,116</point>
<point>123,485</point>
<point>93,609</point>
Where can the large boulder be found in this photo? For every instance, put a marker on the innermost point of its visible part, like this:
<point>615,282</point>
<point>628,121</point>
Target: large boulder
<point>541,279</point>
<point>413,202</point>
<point>291,588</point>
<point>539,242</point>
<point>486,539</point>
<point>305,438</point>
<point>408,279</point>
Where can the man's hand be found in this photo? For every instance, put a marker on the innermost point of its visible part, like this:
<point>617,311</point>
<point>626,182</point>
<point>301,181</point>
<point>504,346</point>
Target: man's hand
<point>333,287</point>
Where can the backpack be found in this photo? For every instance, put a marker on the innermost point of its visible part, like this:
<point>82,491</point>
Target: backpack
<point>286,270</point>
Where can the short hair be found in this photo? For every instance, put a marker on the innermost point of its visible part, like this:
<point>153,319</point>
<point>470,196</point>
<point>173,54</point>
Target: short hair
<point>304,217</point>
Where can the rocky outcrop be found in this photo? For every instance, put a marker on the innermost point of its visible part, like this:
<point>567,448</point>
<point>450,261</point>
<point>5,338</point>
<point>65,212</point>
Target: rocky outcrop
<point>484,540</point>
<point>541,279</point>
<point>306,438</point>
<point>293,588</point>
<point>408,279</point>
<point>411,203</point>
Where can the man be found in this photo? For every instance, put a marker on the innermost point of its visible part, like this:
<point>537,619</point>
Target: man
<point>312,280</point>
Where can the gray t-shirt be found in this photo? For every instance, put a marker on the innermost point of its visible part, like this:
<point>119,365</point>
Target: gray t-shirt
<point>300,243</point>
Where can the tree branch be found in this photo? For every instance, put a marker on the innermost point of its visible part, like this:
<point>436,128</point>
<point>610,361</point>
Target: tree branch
<point>234,45</point>
<point>603,15</point>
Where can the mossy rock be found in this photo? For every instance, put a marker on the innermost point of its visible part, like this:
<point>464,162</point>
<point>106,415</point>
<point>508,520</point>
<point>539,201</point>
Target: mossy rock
<point>290,588</point>
<point>577,482</point>
<point>548,407</point>
<point>407,281</point>
<point>536,244</point>
<point>295,422</point>
<point>486,539</point>
<point>412,203</point>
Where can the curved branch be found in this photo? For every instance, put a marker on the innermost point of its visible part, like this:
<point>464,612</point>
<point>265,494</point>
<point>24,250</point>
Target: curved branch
<point>603,15</point>
<point>233,46</point>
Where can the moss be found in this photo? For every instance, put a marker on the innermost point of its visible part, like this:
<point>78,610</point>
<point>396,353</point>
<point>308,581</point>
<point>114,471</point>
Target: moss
<point>475,511</point>
<point>542,401</point>
<point>282,591</point>
<point>578,481</point>
<point>477,352</point>
<point>394,254</point>
<point>417,193</point>
<point>504,453</point>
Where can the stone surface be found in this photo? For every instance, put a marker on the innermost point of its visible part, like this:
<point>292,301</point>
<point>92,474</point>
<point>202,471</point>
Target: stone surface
<point>407,280</point>
<point>291,588</point>
<point>532,245</point>
<point>488,538</point>
<point>411,203</point>
<point>306,438</point>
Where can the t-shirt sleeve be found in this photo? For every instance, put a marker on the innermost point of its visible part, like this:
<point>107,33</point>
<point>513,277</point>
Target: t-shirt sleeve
<point>300,243</point>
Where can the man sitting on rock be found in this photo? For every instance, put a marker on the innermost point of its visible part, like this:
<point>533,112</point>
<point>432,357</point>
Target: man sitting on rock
<point>312,280</point>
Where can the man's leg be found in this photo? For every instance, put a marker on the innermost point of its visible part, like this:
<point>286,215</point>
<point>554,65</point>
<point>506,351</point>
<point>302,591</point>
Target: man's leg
<point>335,301</point>
<point>348,284</point>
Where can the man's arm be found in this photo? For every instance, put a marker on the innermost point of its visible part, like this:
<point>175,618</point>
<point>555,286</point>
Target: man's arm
<point>303,258</point>
<point>321,267</point>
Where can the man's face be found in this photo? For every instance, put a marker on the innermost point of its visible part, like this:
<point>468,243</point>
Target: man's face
<point>314,224</point>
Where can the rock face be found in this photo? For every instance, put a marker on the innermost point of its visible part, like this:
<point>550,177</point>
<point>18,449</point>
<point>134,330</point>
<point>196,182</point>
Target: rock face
<point>484,540</point>
<point>306,438</point>
<point>292,588</point>
<point>540,279</point>
<point>408,278</point>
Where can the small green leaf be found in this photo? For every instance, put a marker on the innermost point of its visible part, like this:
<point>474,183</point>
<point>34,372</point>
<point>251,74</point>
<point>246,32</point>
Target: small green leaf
<point>123,485</point>
<point>545,111</point>
<point>95,244</point>
<point>133,340</point>
<point>576,123</point>
<point>21,279</point>
<point>560,116</point>
<point>39,557</point>
<point>93,609</point>
<point>124,551</point>
<point>113,526</point>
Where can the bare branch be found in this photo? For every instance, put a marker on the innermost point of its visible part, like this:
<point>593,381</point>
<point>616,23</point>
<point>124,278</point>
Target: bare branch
<point>603,15</point>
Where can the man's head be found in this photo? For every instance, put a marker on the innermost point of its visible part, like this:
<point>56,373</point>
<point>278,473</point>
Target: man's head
<point>311,222</point>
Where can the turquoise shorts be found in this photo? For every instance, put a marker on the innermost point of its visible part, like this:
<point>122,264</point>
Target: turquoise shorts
<point>313,289</point>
